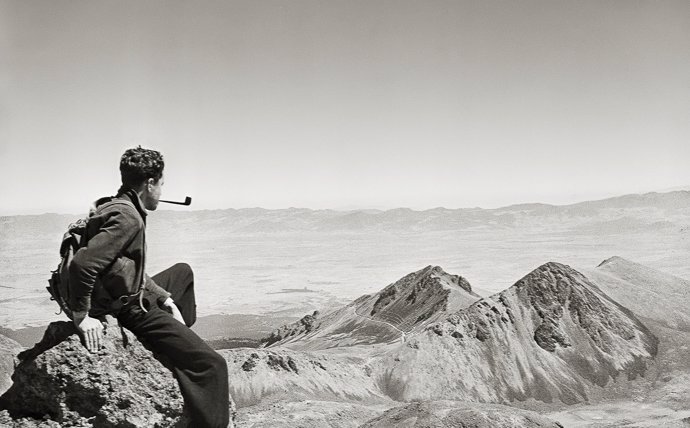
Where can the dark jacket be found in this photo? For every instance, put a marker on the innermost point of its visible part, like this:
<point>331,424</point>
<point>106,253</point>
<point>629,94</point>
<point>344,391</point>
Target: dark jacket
<point>112,262</point>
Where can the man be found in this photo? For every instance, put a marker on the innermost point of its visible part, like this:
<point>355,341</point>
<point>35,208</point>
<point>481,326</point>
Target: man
<point>108,277</point>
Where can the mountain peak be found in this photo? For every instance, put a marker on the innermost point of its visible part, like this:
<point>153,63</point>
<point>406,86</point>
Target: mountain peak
<point>551,335</point>
<point>552,279</point>
<point>431,282</point>
<point>417,299</point>
<point>445,279</point>
<point>555,292</point>
<point>612,260</point>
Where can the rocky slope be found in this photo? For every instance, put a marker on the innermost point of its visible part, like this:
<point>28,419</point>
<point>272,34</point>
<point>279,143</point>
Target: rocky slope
<point>60,381</point>
<point>8,350</point>
<point>552,336</point>
<point>452,414</point>
<point>647,292</point>
<point>257,374</point>
<point>403,307</point>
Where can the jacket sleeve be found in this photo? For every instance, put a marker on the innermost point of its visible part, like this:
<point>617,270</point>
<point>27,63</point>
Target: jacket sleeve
<point>117,230</point>
<point>158,293</point>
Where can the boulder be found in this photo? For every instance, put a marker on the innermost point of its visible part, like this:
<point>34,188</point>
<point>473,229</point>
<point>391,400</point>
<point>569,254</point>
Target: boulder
<point>8,350</point>
<point>122,385</point>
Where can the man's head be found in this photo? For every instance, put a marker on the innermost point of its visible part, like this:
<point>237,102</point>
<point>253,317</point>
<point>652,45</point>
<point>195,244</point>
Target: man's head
<point>142,171</point>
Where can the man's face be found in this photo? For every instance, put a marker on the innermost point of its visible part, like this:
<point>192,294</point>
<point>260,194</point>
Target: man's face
<point>152,193</point>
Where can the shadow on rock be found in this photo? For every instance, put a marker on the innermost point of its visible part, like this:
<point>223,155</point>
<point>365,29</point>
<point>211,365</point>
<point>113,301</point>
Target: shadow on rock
<point>122,385</point>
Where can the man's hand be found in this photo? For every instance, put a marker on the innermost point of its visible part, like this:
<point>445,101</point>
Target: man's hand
<point>171,307</point>
<point>91,329</point>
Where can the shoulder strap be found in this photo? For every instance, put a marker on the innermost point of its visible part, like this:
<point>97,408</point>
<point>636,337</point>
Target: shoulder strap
<point>114,201</point>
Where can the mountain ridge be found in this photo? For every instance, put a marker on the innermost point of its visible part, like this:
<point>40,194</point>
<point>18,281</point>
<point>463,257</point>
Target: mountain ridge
<point>553,335</point>
<point>416,299</point>
<point>617,200</point>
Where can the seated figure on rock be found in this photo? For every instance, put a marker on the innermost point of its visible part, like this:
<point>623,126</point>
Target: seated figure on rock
<point>107,276</point>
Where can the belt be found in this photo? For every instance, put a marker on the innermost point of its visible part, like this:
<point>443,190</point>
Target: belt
<point>126,300</point>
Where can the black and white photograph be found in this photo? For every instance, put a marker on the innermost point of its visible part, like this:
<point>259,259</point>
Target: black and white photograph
<point>345,213</point>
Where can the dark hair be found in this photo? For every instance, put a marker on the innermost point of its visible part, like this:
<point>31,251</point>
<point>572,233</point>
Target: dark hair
<point>138,165</point>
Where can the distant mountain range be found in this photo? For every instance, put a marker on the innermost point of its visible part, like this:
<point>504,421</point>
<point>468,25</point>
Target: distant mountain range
<point>652,211</point>
<point>649,211</point>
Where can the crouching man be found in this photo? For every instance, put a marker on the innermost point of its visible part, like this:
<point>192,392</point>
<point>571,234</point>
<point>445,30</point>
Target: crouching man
<point>107,277</point>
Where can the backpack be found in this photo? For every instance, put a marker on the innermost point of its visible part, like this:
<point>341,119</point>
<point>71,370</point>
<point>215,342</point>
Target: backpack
<point>58,283</point>
<point>72,241</point>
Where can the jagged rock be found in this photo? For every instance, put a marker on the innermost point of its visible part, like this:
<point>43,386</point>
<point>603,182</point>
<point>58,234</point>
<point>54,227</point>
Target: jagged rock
<point>386,296</point>
<point>8,350</point>
<point>122,385</point>
<point>257,374</point>
<point>250,364</point>
<point>278,362</point>
<point>450,414</point>
<point>549,334</point>
<point>305,325</point>
<point>308,321</point>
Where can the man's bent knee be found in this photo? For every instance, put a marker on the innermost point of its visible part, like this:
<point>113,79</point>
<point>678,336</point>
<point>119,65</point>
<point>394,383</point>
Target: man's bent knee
<point>183,268</point>
<point>218,363</point>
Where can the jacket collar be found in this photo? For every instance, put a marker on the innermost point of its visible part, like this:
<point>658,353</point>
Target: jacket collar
<point>132,196</point>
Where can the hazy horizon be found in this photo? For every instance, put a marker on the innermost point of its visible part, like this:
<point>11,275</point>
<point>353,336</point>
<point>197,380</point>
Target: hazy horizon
<point>166,207</point>
<point>341,104</point>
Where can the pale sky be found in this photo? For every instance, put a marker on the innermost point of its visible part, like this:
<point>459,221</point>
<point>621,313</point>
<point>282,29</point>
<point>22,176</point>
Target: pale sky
<point>344,104</point>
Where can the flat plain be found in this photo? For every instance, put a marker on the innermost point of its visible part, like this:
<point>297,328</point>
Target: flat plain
<point>245,260</point>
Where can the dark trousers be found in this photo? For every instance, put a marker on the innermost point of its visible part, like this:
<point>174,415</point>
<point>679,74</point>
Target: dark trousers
<point>200,371</point>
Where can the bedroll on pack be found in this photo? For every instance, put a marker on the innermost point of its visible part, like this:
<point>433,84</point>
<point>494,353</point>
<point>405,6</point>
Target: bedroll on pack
<point>58,284</point>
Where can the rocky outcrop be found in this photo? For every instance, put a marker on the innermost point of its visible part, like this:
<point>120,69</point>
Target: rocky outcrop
<point>8,350</point>
<point>552,336</point>
<point>453,414</point>
<point>122,385</point>
<point>303,326</point>
<point>260,373</point>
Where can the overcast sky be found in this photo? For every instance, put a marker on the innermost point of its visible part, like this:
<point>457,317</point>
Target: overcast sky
<point>344,104</point>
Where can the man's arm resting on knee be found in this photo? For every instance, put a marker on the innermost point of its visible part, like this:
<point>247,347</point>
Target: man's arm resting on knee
<point>170,305</point>
<point>158,293</point>
<point>90,328</point>
<point>163,298</point>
